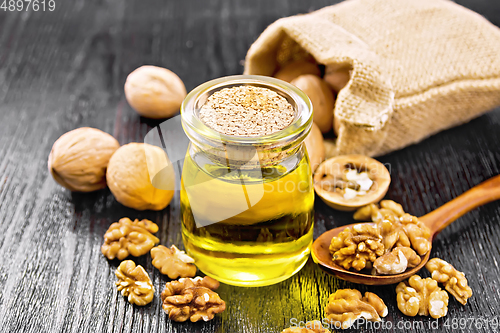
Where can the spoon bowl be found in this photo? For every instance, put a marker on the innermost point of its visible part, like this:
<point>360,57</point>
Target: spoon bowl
<point>436,220</point>
<point>322,256</point>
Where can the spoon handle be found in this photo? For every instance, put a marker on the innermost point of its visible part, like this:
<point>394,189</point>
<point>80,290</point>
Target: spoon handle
<point>479,195</point>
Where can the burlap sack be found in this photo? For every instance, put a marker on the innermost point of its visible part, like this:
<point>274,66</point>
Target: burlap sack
<point>419,66</point>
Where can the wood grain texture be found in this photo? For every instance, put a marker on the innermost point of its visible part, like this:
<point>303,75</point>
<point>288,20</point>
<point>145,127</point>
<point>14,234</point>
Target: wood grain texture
<point>66,69</point>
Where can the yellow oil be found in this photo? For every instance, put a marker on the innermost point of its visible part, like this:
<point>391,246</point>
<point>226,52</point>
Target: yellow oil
<point>242,241</point>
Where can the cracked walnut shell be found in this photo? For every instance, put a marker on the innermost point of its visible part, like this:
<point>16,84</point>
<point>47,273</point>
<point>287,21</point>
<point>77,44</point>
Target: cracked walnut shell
<point>345,306</point>
<point>454,281</point>
<point>173,262</point>
<point>134,283</point>
<point>126,237</point>
<point>422,297</point>
<point>348,182</point>
<point>191,299</point>
<point>357,247</point>
<point>310,327</point>
<point>79,158</point>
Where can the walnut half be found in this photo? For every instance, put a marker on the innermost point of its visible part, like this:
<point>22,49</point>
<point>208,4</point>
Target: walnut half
<point>396,227</point>
<point>192,299</point>
<point>134,282</point>
<point>454,281</point>
<point>126,237</point>
<point>173,262</point>
<point>422,297</point>
<point>357,247</point>
<point>345,306</point>
<point>397,261</point>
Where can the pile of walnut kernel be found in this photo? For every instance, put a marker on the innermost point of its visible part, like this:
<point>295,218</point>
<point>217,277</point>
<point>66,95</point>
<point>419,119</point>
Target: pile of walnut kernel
<point>395,242</point>
<point>183,299</point>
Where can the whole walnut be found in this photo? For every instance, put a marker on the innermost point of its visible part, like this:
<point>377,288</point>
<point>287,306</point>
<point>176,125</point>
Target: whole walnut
<point>295,68</point>
<point>315,147</point>
<point>321,98</point>
<point>79,158</point>
<point>154,92</point>
<point>337,76</point>
<point>141,176</point>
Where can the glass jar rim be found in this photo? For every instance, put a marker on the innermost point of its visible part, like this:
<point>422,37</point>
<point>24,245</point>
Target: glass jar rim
<point>301,123</point>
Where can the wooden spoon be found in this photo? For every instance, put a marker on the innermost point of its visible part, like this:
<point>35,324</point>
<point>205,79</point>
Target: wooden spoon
<point>436,220</point>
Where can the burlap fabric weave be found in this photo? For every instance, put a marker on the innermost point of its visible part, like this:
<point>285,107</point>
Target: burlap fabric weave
<point>419,66</point>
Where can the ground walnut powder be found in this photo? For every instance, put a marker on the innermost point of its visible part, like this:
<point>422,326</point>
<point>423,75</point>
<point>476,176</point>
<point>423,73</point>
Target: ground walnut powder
<point>246,111</point>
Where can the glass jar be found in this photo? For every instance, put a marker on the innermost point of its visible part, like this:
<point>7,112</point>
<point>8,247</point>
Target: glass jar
<point>247,202</point>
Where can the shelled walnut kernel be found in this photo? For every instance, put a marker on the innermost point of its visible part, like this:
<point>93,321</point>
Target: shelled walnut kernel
<point>422,297</point>
<point>310,327</point>
<point>454,281</point>
<point>173,262</point>
<point>396,227</point>
<point>134,283</point>
<point>191,299</point>
<point>126,237</point>
<point>357,247</point>
<point>345,306</point>
<point>397,261</point>
<point>206,282</point>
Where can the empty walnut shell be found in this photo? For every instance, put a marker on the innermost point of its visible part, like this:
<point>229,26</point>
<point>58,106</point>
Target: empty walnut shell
<point>348,182</point>
<point>79,158</point>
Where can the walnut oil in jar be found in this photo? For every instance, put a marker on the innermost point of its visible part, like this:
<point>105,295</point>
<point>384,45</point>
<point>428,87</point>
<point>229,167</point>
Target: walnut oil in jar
<point>246,191</point>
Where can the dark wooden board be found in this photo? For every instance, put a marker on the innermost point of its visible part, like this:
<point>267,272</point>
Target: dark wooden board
<point>66,69</point>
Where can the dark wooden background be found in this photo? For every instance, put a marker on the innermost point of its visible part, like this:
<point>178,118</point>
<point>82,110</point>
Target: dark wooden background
<point>66,69</point>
